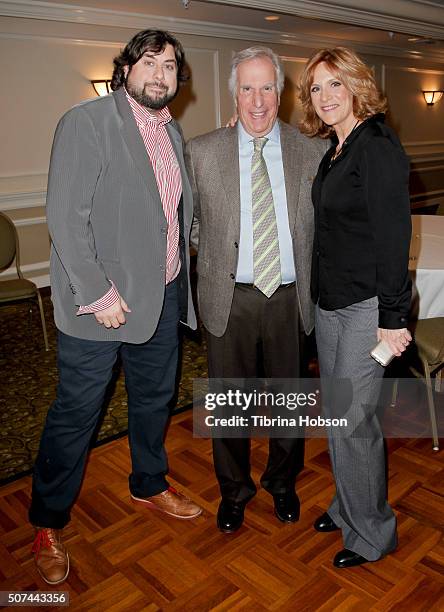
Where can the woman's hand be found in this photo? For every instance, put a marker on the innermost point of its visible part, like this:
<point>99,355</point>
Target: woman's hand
<point>233,120</point>
<point>397,339</point>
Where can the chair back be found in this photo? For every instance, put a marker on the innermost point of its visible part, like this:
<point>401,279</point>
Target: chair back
<point>429,338</point>
<point>9,245</point>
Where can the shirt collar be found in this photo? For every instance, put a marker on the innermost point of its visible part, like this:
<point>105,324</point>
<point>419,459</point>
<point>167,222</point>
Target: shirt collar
<point>143,116</point>
<point>244,137</point>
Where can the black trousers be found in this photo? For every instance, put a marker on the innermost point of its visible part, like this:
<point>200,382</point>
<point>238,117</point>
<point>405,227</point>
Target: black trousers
<point>85,369</point>
<point>261,340</point>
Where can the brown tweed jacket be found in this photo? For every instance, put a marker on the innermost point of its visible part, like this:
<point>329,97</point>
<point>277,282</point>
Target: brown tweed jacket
<point>212,162</point>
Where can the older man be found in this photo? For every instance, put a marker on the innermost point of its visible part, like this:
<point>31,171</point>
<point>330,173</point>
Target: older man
<point>251,188</point>
<point>119,213</point>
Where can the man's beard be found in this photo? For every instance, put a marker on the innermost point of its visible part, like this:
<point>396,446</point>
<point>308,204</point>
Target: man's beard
<point>157,103</point>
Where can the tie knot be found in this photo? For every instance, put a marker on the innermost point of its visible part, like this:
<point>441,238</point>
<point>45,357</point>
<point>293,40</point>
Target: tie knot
<point>259,144</point>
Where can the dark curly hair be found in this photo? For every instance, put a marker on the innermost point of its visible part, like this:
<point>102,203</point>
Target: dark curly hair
<point>154,41</point>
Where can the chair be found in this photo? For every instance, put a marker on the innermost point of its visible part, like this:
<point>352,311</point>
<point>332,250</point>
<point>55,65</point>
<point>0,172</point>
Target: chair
<point>429,341</point>
<point>18,288</point>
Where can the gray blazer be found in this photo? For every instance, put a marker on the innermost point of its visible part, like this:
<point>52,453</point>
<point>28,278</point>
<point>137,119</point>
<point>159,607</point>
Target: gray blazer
<point>106,221</point>
<point>213,167</point>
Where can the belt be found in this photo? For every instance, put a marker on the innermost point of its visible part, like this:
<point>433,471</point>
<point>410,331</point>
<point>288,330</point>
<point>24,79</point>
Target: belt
<point>252,286</point>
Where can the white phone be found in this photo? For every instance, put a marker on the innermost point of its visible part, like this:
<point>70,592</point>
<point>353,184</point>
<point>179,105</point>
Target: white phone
<point>382,353</point>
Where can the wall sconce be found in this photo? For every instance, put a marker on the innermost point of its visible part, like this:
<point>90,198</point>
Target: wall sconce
<point>432,97</point>
<point>102,87</point>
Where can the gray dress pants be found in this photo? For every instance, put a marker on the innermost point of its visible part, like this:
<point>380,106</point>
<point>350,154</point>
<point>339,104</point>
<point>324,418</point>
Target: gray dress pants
<point>360,508</point>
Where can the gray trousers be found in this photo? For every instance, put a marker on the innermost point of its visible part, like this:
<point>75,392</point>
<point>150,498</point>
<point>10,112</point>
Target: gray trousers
<point>345,338</point>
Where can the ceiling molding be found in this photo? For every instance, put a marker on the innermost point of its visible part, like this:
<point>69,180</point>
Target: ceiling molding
<point>63,40</point>
<point>101,17</point>
<point>419,70</point>
<point>251,35</point>
<point>405,16</point>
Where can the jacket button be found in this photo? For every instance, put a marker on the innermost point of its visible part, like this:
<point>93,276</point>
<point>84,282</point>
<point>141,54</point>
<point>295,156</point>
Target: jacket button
<point>317,253</point>
<point>232,275</point>
<point>236,245</point>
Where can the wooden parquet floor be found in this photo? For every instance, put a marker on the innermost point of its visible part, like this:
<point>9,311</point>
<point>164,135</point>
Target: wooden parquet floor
<point>127,558</point>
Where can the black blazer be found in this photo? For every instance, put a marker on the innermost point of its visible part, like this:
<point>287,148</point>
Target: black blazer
<point>362,225</point>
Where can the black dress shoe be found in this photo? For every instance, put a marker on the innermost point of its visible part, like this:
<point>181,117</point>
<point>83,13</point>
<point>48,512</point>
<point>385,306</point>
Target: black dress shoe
<point>230,516</point>
<point>324,523</point>
<point>287,507</point>
<point>348,558</point>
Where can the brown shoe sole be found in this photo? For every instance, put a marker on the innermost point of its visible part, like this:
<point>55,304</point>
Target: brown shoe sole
<point>56,581</point>
<point>150,505</point>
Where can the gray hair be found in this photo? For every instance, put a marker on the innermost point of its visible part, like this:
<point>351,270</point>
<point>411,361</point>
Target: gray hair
<point>251,53</point>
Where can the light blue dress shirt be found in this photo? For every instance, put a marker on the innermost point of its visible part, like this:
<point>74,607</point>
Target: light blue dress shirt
<point>273,158</point>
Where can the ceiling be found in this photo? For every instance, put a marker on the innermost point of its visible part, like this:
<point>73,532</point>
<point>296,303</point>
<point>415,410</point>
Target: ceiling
<point>394,27</point>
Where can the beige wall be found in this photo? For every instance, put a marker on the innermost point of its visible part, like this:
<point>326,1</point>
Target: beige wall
<point>46,67</point>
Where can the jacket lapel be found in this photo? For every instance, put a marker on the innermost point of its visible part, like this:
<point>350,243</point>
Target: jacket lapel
<point>292,161</point>
<point>228,162</point>
<point>135,144</point>
<point>177,143</point>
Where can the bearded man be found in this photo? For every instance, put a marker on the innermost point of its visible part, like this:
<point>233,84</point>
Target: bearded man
<point>119,209</point>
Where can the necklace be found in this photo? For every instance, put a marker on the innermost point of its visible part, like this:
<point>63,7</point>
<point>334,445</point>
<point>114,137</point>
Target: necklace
<point>338,152</point>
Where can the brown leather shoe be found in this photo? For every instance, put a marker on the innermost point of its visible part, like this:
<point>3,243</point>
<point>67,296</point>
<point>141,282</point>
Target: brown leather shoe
<point>170,502</point>
<point>50,555</point>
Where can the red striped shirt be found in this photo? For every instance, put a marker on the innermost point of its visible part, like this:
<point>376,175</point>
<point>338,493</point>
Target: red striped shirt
<point>167,172</point>
<point>107,300</point>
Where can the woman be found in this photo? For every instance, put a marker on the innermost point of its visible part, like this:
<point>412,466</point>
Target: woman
<point>360,283</point>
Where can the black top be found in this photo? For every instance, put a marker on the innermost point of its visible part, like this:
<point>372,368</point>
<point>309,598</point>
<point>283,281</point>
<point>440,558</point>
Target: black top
<point>362,224</point>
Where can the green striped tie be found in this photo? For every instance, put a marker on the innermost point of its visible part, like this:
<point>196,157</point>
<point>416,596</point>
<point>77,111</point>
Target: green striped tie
<point>266,260</point>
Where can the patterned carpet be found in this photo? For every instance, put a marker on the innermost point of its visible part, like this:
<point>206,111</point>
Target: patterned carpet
<point>28,385</point>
